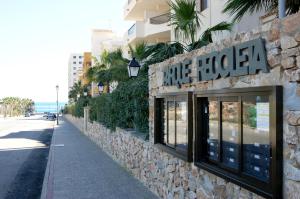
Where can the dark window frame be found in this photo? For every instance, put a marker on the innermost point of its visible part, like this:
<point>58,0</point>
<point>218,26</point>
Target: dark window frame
<point>186,155</point>
<point>272,189</point>
<point>203,5</point>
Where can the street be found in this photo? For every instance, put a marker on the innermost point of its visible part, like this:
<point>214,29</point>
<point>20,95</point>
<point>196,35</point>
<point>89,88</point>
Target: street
<point>24,148</point>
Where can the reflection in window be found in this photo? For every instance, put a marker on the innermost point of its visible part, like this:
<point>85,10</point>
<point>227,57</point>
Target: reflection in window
<point>171,123</point>
<point>230,134</point>
<point>213,136</point>
<point>181,124</point>
<point>165,123</point>
<point>171,129</point>
<point>256,116</point>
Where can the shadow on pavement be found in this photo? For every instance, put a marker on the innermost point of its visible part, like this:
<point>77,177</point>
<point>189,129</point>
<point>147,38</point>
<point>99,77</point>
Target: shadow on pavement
<point>28,182</point>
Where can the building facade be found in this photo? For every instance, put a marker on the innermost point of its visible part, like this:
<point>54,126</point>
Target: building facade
<point>150,21</point>
<point>74,69</point>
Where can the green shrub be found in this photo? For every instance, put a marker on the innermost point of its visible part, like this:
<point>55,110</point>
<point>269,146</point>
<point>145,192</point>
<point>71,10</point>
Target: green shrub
<point>79,105</point>
<point>126,107</point>
<point>69,109</point>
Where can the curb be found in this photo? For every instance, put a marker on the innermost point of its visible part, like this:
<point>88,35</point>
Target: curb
<point>47,190</point>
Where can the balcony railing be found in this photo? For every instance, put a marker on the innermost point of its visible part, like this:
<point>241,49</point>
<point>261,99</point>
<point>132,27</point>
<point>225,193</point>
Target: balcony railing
<point>132,29</point>
<point>161,19</point>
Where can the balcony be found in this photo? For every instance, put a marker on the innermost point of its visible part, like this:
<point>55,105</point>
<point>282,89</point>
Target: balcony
<point>155,29</point>
<point>135,9</point>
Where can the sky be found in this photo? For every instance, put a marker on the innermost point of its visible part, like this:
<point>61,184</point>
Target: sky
<point>38,36</point>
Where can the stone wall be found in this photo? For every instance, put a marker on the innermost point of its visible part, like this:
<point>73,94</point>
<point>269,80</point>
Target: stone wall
<point>170,177</point>
<point>282,42</point>
<point>164,174</point>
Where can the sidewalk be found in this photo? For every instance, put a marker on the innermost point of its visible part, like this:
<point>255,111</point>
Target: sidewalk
<point>78,169</point>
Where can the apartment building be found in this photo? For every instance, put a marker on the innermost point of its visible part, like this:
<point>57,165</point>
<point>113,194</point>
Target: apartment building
<point>74,69</point>
<point>102,40</point>
<point>151,20</point>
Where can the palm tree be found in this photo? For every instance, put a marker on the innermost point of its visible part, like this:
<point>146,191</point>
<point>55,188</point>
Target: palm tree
<point>239,8</point>
<point>116,67</point>
<point>76,90</point>
<point>139,51</point>
<point>185,19</point>
<point>111,67</point>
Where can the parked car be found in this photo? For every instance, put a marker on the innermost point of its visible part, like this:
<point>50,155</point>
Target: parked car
<point>51,116</point>
<point>46,114</point>
<point>27,114</point>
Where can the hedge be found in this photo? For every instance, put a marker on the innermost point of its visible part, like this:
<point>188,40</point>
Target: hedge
<point>126,107</point>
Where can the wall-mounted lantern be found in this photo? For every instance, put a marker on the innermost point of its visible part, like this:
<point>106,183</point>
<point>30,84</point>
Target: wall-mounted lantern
<point>100,87</point>
<point>133,68</point>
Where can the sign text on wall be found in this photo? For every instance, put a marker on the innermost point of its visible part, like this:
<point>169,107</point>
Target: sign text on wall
<point>244,59</point>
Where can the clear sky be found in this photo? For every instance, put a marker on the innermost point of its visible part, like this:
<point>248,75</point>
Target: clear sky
<point>37,37</point>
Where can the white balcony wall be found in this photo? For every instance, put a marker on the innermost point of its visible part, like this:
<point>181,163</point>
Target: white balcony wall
<point>135,9</point>
<point>151,29</point>
<point>135,32</point>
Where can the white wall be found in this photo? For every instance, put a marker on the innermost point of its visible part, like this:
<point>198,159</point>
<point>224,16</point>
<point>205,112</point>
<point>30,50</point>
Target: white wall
<point>213,15</point>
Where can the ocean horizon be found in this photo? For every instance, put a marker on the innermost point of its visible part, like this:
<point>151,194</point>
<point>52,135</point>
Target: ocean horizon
<point>41,107</point>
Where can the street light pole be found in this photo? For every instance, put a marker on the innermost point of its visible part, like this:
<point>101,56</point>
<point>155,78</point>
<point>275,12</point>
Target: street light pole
<point>57,87</point>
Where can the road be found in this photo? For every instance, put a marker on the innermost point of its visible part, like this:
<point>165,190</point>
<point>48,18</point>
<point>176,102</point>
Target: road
<point>24,149</point>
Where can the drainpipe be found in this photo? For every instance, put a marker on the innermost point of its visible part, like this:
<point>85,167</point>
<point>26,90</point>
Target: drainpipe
<point>281,9</point>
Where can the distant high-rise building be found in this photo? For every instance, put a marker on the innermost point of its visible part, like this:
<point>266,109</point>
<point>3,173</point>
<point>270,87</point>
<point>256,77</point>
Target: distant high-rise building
<point>74,68</point>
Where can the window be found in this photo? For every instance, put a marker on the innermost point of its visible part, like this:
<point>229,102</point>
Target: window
<point>239,137</point>
<point>80,62</point>
<point>80,57</point>
<point>173,124</point>
<point>74,62</point>
<point>74,68</point>
<point>203,5</point>
<point>74,57</point>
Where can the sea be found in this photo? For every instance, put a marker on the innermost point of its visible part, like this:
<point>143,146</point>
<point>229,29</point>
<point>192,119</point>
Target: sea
<point>42,107</point>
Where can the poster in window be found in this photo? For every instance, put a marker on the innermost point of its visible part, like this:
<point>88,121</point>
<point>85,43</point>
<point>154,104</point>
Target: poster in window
<point>263,115</point>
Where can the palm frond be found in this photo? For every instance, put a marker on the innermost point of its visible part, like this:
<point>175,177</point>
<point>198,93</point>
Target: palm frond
<point>185,19</point>
<point>239,8</point>
<point>139,51</point>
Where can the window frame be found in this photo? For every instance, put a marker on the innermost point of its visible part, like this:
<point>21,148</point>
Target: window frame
<point>202,5</point>
<point>272,188</point>
<point>186,155</point>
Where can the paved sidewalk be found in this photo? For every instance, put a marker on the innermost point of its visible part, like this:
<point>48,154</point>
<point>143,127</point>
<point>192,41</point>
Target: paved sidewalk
<point>79,169</point>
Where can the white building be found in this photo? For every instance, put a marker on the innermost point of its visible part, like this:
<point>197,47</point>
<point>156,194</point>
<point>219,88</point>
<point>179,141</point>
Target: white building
<point>151,21</point>
<point>74,68</point>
